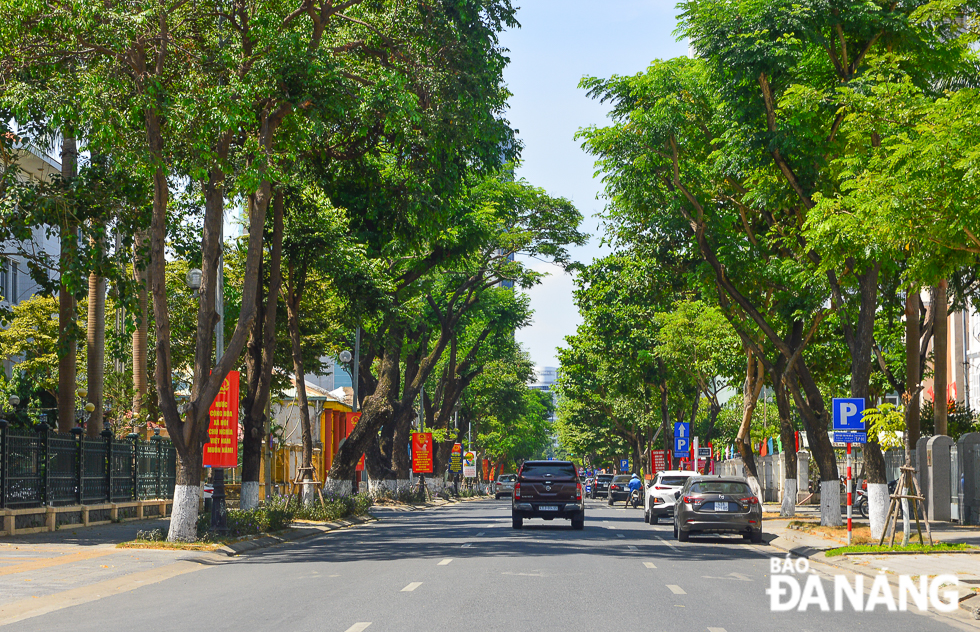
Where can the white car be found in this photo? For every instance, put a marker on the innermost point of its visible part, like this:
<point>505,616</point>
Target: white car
<point>659,501</point>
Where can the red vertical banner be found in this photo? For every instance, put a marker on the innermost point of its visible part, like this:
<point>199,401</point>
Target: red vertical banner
<point>350,421</point>
<point>486,469</point>
<point>659,460</point>
<point>222,447</point>
<point>422,453</point>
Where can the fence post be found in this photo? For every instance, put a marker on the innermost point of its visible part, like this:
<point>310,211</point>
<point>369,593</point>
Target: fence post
<point>42,460</point>
<point>134,438</point>
<point>107,435</point>
<point>79,461</point>
<point>157,441</point>
<point>3,463</point>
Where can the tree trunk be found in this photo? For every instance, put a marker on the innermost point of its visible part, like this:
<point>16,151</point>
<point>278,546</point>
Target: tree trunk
<point>293,298</point>
<point>940,357</point>
<point>751,388</point>
<point>913,378</point>
<point>666,429</point>
<point>96,351</point>
<point>788,435</point>
<point>67,345</point>
<point>259,364</point>
<point>141,276</point>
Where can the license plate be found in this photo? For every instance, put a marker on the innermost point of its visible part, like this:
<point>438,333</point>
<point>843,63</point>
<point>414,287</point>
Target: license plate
<point>548,508</point>
<point>721,506</point>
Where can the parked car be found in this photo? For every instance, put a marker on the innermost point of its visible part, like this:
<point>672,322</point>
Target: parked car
<point>619,488</point>
<point>548,490</point>
<point>600,486</point>
<point>717,504</point>
<point>659,501</point>
<point>504,485</point>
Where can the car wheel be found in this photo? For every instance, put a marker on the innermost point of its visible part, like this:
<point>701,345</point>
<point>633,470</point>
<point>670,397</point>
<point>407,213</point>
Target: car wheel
<point>675,530</point>
<point>683,536</point>
<point>578,522</point>
<point>611,501</point>
<point>757,537</point>
<point>496,496</point>
<point>517,522</point>
<point>646,517</point>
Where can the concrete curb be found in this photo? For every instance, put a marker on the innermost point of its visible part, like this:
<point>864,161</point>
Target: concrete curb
<point>969,600</point>
<point>292,534</point>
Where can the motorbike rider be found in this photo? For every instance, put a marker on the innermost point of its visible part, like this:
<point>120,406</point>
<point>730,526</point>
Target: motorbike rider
<point>635,485</point>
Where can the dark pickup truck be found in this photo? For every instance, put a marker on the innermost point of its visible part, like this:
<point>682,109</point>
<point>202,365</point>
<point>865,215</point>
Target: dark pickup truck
<point>548,490</point>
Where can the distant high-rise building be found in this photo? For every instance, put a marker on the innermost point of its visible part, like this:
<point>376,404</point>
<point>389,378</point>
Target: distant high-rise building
<point>544,378</point>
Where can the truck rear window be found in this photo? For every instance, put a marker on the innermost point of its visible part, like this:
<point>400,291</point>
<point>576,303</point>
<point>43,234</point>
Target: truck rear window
<point>549,469</point>
<point>720,487</point>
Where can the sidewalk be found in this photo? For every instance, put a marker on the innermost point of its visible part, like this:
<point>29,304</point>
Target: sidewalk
<point>966,566</point>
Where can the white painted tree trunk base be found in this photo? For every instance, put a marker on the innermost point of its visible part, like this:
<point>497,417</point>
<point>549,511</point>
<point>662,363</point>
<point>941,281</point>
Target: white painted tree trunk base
<point>333,487</point>
<point>830,515</point>
<point>788,506</point>
<point>435,485</point>
<point>755,487</point>
<point>403,484</point>
<point>878,501</point>
<point>309,492</point>
<point>380,485</point>
<point>250,495</point>
<point>183,520</point>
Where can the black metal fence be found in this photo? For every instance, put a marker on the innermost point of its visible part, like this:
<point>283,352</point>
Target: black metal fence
<point>51,468</point>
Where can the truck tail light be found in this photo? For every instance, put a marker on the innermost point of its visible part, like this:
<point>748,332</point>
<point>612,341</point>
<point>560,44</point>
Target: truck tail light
<point>751,500</point>
<point>517,490</point>
<point>578,492</point>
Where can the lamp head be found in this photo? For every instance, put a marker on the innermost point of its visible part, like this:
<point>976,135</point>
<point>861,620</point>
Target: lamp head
<point>345,356</point>
<point>193,279</point>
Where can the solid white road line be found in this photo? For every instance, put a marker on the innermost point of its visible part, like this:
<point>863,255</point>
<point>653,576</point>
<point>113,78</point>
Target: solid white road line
<point>411,587</point>
<point>677,590</point>
<point>649,564</point>
<point>359,627</point>
<point>445,561</point>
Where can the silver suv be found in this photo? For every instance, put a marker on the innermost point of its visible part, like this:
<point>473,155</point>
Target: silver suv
<point>504,486</point>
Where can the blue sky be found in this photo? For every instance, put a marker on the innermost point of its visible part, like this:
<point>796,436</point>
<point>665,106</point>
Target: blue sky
<point>558,43</point>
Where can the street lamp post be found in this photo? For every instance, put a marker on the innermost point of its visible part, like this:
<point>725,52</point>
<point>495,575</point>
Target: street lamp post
<point>219,515</point>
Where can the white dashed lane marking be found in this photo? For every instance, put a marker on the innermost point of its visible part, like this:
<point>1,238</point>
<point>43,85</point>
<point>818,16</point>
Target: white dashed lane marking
<point>677,590</point>
<point>445,561</point>
<point>482,532</point>
<point>649,564</point>
<point>359,627</point>
<point>620,535</point>
<point>467,545</point>
<point>631,548</point>
<point>716,630</point>
<point>670,544</point>
<point>411,587</point>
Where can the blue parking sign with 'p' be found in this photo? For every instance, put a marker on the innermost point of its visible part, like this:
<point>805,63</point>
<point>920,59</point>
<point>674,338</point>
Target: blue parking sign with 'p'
<point>682,447</point>
<point>849,413</point>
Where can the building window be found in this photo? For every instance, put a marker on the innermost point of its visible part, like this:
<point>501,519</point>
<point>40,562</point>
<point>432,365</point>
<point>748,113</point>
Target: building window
<point>14,290</point>
<point>4,281</point>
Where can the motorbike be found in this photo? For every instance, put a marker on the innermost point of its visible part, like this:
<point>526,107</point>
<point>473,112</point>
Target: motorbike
<point>635,499</point>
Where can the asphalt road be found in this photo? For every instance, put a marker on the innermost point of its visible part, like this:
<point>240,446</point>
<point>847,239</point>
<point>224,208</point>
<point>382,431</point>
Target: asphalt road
<point>463,567</point>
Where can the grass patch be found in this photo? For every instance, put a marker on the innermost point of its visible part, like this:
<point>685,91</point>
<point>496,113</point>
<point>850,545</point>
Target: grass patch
<point>942,547</point>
